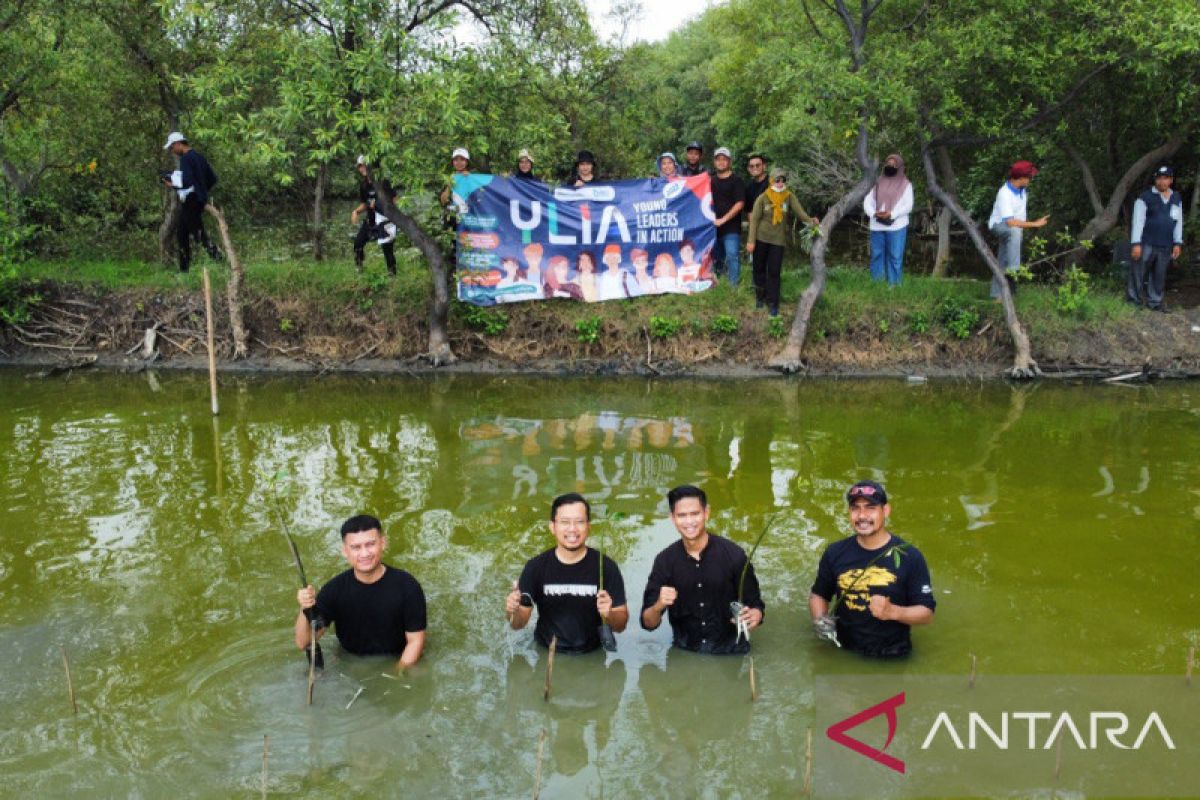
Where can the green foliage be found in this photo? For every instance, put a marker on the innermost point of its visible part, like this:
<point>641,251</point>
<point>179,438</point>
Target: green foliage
<point>286,325</point>
<point>491,322</point>
<point>16,301</point>
<point>724,324</point>
<point>960,318</point>
<point>884,326</point>
<point>776,328</point>
<point>587,330</point>
<point>918,323</point>
<point>1071,299</point>
<point>664,327</point>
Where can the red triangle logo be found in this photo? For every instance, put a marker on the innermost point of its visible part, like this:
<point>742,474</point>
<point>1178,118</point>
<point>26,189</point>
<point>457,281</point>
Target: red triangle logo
<point>837,732</point>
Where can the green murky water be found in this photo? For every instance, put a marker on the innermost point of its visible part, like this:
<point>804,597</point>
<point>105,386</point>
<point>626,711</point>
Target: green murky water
<point>1060,524</point>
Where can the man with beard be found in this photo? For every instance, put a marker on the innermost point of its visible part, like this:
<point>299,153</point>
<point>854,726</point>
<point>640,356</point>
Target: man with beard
<point>564,584</point>
<point>882,580</point>
<point>691,160</point>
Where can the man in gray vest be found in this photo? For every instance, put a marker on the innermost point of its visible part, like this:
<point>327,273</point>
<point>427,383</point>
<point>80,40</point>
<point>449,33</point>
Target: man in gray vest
<point>1157,239</point>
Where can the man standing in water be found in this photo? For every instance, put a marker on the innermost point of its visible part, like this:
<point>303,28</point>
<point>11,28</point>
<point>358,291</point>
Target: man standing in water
<point>882,580</point>
<point>696,578</point>
<point>564,584</point>
<point>376,609</point>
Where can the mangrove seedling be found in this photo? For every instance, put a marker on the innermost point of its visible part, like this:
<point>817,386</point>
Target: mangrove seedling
<point>313,652</point>
<point>737,606</point>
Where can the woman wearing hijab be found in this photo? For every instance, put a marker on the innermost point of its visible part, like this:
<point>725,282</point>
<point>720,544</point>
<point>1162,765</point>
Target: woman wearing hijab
<point>525,166</point>
<point>770,220</point>
<point>888,205</point>
<point>668,167</point>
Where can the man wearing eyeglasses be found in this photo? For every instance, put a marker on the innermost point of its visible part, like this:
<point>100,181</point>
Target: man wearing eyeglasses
<point>564,584</point>
<point>872,587</point>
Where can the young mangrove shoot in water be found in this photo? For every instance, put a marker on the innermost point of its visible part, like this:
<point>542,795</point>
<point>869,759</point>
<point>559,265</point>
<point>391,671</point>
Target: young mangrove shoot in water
<point>313,652</point>
<point>737,607</point>
<point>550,669</point>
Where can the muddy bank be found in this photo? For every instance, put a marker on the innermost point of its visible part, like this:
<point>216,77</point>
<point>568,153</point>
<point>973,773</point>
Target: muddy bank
<point>77,327</point>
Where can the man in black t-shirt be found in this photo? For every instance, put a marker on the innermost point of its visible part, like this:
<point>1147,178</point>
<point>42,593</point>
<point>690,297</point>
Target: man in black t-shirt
<point>691,160</point>
<point>729,198</point>
<point>697,578</point>
<point>375,609</point>
<point>881,582</point>
<point>564,584</point>
<point>375,226</point>
<point>756,167</point>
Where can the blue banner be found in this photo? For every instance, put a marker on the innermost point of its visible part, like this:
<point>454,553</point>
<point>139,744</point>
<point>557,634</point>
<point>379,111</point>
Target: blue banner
<point>524,240</point>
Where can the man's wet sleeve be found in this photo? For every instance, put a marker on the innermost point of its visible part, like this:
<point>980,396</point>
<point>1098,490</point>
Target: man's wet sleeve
<point>919,585</point>
<point>414,608</point>
<point>614,584</point>
<point>824,585</point>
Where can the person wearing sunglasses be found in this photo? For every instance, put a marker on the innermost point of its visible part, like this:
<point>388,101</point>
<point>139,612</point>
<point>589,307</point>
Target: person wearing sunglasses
<point>872,587</point>
<point>770,219</point>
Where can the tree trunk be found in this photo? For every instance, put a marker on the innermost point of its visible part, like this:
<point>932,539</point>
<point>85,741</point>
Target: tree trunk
<point>941,264</point>
<point>439,353</point>
<point>1023,364</point>
<point>166,230</point>
<point>788,359</point>
<point>234,287</point>
<point>318,231</point>
<point>1194,213</point>
<point>1106,219</point>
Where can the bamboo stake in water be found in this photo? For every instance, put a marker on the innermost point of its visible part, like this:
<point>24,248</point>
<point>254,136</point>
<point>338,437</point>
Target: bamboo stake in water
<point>70,685</point>
<point>212,355</point>
<point>808,765</point>
<point>537,778</point>
<point>753,682</point>
<point>266,753</point>
<point>971,680</point>
<point>550,668</point>
<point>1191,663</point>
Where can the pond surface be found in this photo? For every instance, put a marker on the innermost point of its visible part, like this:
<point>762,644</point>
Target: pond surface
<point>1060,524</point>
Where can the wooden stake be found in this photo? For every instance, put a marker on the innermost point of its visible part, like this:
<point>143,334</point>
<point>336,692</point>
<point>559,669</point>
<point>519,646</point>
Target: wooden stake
<point>212,354</point>
<point>1191,663</point>
<point>550,668</point>
<point>808,765</point>
<point>312,659</point>
<point>537,778</point>
<point>266,753</point>
<point>753,682</point>
<point>70,685</point>
<point>974,664</point>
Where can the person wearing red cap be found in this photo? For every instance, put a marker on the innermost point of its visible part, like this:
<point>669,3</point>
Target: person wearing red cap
<point>881,581</point>
<point>1157,237</point>
<point>1009,219</point>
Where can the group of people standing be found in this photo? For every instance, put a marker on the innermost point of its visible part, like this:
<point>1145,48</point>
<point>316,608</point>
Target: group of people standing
<point>869,590</point>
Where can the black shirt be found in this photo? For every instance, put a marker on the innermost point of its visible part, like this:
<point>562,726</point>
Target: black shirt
<point>727,193</point>
<point>700,617</point>
<point>841,572</point>
<point>687,170</point>
<point>372,618</point>
<point>753,190</point>
<point>367,196</point>
<point>565,595</point>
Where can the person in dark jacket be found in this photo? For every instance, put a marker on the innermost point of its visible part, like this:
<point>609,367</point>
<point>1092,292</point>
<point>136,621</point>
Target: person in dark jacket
<point>691,160</point>
<point>525,166</point>
<point>193,182</point>
<point>1157,237</point>
<point>375,226</point>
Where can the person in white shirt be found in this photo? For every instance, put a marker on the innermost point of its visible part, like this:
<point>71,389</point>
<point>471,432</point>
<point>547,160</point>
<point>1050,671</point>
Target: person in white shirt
<point>888,205</point>
<point>1008,219</point>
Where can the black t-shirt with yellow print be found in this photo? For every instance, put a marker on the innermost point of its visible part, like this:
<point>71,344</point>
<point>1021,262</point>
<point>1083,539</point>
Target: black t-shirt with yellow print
<point>841,572</point>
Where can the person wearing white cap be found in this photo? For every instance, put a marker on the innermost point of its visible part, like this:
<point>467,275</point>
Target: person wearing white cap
<point>375,226</point>
<point>192,182</point>
<point>729,198</point>
<point>1157,237</point>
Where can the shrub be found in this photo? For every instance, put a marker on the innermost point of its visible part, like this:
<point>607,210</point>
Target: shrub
<point>588,330</point>
<point>776,328</point>
<point>492,322</point>
<point>725,323</point>
<point>1071,299</point>
<point>664,327</point>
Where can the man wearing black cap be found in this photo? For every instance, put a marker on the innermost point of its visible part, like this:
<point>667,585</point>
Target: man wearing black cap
<point>1157,238</point>
<point>691,160</point>
<point>880,581</point>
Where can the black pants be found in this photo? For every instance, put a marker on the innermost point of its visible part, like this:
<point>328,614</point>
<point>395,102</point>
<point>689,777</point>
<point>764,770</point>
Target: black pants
<point>360,246</point>
<point>768,264</point>
<point>191,226</point>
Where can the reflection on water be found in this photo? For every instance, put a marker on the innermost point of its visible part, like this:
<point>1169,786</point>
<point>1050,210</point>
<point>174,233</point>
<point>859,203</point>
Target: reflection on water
<point>1059,522</point>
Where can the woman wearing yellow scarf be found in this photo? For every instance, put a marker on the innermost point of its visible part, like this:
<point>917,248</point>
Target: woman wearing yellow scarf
<point>769,222</point>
